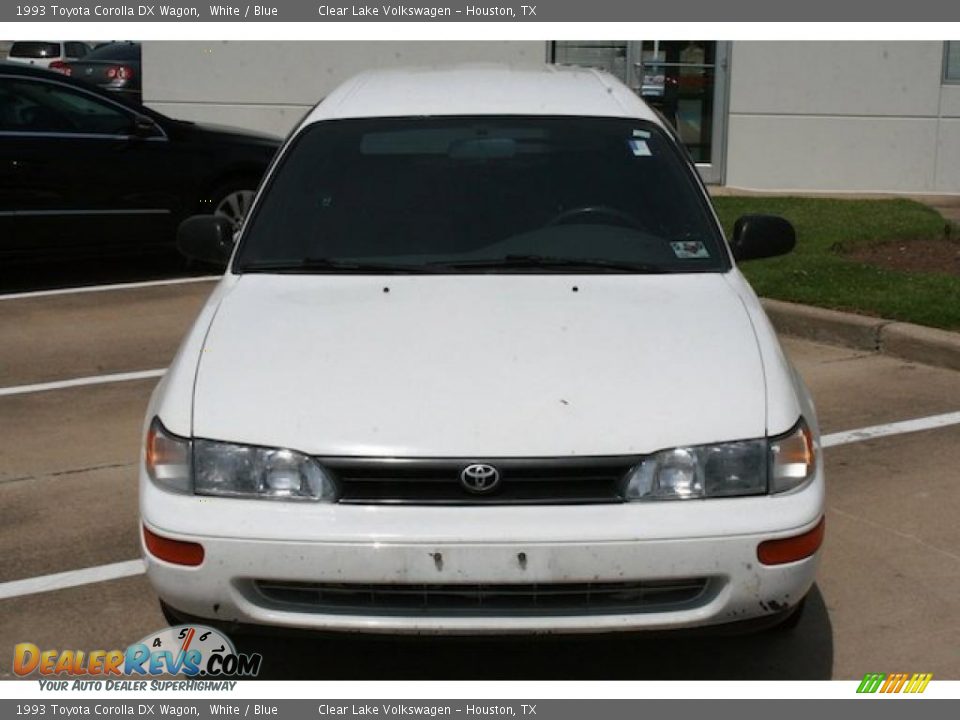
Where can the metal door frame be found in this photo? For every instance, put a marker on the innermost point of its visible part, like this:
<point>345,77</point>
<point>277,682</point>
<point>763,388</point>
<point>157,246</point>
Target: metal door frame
<point>714,172</point>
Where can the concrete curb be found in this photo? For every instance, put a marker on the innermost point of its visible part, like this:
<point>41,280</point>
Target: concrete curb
<point>903,340</point>
<point>921,344</point>
<point>829,326</point>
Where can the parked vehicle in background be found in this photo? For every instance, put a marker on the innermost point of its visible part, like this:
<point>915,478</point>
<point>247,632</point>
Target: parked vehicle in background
<point>81,171</point>
<point>115,66</point>
<point>47,53</point>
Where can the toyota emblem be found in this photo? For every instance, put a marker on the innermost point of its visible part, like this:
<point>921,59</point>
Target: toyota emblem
<point>480,478</point>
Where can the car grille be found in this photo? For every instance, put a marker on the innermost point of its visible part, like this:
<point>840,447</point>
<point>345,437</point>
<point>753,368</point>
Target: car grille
<point>523,481</point>
<point>473,600</point>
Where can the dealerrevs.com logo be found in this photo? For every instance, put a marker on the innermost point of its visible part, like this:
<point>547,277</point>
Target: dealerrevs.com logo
<point>194,651</point>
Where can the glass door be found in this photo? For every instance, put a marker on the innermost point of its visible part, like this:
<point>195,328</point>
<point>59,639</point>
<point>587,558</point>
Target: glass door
<point>686,80</point>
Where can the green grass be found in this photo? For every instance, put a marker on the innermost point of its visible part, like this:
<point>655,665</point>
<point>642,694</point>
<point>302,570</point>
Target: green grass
<point>817,273</point>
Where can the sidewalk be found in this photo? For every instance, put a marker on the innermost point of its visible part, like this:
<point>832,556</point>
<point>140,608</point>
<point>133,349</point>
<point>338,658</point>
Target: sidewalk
<point>946,205</point>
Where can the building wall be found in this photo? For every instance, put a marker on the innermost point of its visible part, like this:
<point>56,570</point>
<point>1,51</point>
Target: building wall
<point>270,85</point>
<point>819,116</point>
<point>850,116</point>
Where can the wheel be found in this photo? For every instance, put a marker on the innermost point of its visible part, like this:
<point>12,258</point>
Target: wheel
<point>233,201</point>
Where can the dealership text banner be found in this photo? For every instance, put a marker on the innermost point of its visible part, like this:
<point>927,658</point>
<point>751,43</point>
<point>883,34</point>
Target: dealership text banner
<point>455,11</point>
<point>485,709</point>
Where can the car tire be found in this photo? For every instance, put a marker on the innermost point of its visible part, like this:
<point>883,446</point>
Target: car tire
<point>232,200</point>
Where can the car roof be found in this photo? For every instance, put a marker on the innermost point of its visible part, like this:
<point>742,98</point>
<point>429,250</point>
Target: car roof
<point>33,42</point>
<point>482,90</point>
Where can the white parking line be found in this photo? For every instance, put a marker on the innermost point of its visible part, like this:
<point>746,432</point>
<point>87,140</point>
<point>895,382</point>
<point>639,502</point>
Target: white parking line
<point>895,428</point>
<point>104,288</point>
<point>78,382</point>
<point>102,573</point>
<point>71,578</point>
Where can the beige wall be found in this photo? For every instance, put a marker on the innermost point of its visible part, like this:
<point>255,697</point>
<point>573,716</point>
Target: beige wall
<point>857,116</point>
<point>270,85</point>
<point>847,116</point>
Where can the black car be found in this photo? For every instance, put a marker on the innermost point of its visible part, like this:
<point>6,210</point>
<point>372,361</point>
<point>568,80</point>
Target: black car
<point>115,67</point>
<point>82,170</point>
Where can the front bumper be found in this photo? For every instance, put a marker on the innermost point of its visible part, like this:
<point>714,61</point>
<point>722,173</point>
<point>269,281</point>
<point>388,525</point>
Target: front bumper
<point>247,542</point>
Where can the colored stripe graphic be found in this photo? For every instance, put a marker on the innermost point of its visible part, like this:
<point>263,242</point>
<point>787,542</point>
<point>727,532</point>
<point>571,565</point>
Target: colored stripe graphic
<point>918,683</point>
<point>894,683</point>
<point>871,682</point>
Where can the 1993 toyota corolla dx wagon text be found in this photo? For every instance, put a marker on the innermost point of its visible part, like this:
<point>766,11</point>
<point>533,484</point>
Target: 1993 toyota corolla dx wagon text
<point>482,362</point>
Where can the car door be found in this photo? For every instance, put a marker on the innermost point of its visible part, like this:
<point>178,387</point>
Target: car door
<point>8,172</point>
<point>85,177</point>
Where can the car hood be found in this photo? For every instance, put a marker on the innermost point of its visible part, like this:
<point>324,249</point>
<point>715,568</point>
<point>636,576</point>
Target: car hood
<point>479,366</point>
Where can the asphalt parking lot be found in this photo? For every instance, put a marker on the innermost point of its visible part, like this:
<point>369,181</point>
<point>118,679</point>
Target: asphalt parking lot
<point>887,598</point>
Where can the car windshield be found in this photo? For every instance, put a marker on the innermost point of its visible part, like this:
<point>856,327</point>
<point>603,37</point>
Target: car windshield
<point>114,51</point>
<point>35,50</point>
<point>482,194</point>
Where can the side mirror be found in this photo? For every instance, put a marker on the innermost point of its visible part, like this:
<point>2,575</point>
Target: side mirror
<point>762,236</point>
<point>144,127</point>
<point>208,238</point>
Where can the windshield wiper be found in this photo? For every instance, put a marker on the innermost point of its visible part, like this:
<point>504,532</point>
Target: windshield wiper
<point>320,265</point>
<point>509,262</point>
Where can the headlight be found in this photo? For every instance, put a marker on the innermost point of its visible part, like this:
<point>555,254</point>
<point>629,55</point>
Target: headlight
<point>725,470</point>
<point>242,471</point>
<point>205,467</point>
<point>734,469</point>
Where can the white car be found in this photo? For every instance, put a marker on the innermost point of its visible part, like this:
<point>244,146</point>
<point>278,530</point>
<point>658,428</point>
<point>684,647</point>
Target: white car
<point>482,362</point>
<point>52,54</point>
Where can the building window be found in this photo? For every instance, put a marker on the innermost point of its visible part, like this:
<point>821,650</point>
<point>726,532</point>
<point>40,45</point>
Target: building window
<point>677,78</point>
<point>951,62</point>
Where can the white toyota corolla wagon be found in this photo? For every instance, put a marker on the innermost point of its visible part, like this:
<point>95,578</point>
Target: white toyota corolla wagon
<point>482,362</point>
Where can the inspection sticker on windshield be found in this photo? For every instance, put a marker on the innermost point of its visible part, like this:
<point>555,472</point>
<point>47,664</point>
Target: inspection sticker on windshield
<point>690,249</point>
<point>639,147</point>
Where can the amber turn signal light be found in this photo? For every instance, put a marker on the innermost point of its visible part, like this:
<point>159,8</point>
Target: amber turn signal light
<point>791,549</point>
<point>177,552</point>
